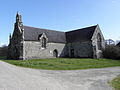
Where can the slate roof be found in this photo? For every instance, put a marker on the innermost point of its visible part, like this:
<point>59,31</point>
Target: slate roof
<point>118,44</point>
<point>32,34</point>
<point>84,34</point>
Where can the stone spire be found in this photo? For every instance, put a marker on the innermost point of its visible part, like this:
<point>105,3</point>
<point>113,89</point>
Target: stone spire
<point>18,18</point>
<point>19,23</point>
<point>10,37</point>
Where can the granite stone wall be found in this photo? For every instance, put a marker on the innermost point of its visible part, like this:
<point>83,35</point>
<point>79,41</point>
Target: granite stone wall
<point>80,49</point>
<point>97,53</point>
<point>33,50</point>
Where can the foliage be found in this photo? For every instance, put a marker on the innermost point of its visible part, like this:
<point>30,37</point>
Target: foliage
<point>111,52</point>
<point>3,52</point>
<point>116,83</point>
<point>65,63</point>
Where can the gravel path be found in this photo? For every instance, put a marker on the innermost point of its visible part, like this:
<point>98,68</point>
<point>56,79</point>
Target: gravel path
<point>18,78</point>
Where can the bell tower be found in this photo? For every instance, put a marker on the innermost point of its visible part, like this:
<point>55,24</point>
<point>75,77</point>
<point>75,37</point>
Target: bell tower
<point>18,22</point>
<point>18,17</point>
<point>17,39</point>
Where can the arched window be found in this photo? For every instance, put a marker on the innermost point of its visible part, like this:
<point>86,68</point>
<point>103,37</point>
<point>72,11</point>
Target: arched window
<point>99,42</point>
<point>44,42</point>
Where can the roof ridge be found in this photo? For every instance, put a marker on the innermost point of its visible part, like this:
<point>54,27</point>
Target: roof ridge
<point>83,28</point>
<point>43,28</point>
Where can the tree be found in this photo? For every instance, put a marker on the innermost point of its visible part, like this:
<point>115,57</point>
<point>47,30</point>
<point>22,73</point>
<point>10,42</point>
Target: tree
<point>110,42</point>
<point>3,51</point>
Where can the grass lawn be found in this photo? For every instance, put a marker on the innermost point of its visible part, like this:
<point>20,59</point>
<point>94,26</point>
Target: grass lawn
<point>116,83</point>
<point>65,63</point>
<point>2,58</point>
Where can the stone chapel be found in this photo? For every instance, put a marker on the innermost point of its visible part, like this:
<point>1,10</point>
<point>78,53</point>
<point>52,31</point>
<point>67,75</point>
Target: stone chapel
<point>28,42</point>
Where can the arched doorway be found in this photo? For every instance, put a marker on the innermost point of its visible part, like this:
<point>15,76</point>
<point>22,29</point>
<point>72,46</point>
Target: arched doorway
<point>55,53</point>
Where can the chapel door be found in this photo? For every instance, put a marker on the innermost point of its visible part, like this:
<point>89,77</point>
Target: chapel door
<point>55,53</point>
<point>72,53</point>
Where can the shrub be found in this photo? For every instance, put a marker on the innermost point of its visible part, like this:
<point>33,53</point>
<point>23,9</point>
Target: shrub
<point>111,52</point>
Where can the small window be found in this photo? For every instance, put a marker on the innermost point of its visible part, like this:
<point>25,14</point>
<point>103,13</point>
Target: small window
<point>43,42</point>
<point>39,36</point>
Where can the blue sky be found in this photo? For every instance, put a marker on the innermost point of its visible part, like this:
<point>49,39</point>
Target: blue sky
<point>62,15</point>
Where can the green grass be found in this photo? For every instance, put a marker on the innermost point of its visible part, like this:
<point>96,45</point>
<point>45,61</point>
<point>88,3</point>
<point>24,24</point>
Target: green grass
<point>65,63</point>
<point>116,83</point>
<point>2,58</point>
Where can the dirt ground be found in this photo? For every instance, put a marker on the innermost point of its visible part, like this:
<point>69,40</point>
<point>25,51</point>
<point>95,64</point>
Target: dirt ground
<point>19,78</point>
